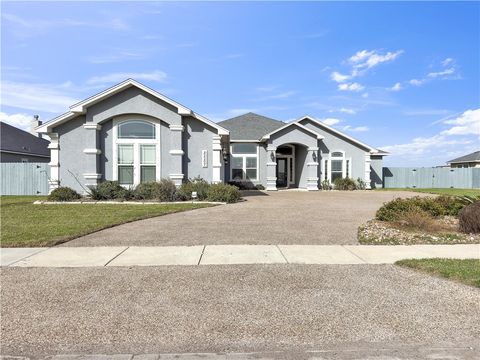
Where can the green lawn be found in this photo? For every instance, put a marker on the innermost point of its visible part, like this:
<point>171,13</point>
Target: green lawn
<point>24,224</point>
<point>466,271</point>
<point>459,192</point>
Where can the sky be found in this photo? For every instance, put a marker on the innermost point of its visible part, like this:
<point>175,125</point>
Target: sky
<point>400,76</point>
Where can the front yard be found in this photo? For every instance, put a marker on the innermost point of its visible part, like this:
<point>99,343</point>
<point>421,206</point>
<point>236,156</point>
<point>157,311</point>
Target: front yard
<point>27,225</point>
<point>466,271</point>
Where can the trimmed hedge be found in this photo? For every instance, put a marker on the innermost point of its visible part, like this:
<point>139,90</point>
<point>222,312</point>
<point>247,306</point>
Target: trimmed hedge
<point>435,206</point>
<point>223,193</point>
<point>63,193</point>
<point>110,190</point>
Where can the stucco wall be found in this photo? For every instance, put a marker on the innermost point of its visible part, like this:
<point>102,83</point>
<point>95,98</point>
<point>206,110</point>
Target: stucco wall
<point>376,171</point>
<point>301,169</point>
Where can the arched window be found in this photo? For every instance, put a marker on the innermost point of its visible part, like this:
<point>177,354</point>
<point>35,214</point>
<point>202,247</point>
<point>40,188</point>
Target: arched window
<point>136,129</point>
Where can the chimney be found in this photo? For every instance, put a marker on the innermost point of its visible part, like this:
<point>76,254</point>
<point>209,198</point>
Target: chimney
<point>35,122</point>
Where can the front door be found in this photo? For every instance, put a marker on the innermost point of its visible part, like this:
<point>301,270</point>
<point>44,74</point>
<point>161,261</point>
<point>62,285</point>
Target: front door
<point>282,173</point>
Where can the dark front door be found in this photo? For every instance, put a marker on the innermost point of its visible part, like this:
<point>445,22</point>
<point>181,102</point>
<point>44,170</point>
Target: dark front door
<point>282,172</point>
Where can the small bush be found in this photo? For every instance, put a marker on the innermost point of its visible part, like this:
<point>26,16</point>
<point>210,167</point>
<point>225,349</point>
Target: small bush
<point>361,184</point>
<point>259,187</point>
<point>417,219</point>
<point>344,184</point>
<point>469,218</point>
<point>145,191</point>
<point>451,205</point>
<point>199,185</point>
<point>243,185</point>
<point>223,193</point>
<point>63,193</point>
<point>109,190</point>
<point>165,190</point>
<point>326,185</point>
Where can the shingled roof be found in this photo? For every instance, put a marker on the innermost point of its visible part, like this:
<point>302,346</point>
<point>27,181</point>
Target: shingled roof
<point>473,157</point>
<point>250,126</point>
<point>19,141</point>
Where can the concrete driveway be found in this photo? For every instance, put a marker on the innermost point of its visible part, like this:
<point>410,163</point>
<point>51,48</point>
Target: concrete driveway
<point>284,217</point>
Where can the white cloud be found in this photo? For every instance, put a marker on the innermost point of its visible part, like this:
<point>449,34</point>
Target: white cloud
<point>120,55</point>
<point>467,123</point>
<point>283,95</point>
<point>19,120</point>
<point>351,87</point>
<point>37,97</point>
<point>396,87</point>
<point>157,75</point>
<point>447,62</point>
<point>449,72</point>
<point>346,111</point>
<point>368,59</point>
<point>416,82</point>
<point>365,95</point>
<point>355,129</point>
<point>443,73</point>
<point>330,121</point>
<point>337,77</point>
<point>423,145</point>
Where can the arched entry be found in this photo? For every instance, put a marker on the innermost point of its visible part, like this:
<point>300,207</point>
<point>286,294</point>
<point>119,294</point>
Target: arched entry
<point>285,155</point>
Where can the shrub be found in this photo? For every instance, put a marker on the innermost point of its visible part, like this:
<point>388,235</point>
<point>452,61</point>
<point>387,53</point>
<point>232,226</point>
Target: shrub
<point>108,190</point>
<point>259,187</point>
<point>434,206</point>
<point>165,190</point>
<point>223,193</point>
<point>469,218</point>
<point>243,185</point>
<point>198,185</point>
<point>418,219</point>
<point>361,184</point>
<point>344,184</point>
<point>145,191</point>
<point>326,185</point>
<point>63,193</point>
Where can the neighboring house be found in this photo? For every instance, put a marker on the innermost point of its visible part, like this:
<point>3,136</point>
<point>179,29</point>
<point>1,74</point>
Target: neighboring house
<point>20,146</point>
<point>466,161</point>
<point>134,134</point>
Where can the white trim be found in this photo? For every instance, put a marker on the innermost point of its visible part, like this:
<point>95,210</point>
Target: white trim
<point>267,136</point>
<point>244,141</point>
<point>244,164</point>
<point>176,152</point>
<point>80,107</point>
<point>92,176</point>
<point>92,151</point>
<point>318,122</point>
<point>174,127</point>
<point>329,158</point>
<point>89,126</point>
<point>136,146</point>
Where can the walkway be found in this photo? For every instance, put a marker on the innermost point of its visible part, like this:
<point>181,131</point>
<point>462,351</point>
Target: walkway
<point>228,254</point>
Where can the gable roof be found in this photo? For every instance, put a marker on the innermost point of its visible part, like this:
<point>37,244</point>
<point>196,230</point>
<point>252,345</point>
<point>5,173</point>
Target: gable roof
<point>297,124</point>
<point>15,140</point>
<point>473,157</point>
<point>337,132</point>
<point>250,126</point>
<point>81,107</point>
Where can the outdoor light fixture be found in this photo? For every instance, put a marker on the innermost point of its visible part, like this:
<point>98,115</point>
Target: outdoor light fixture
<point>314,156</point>
<point>272,155</point>
<point>225,154</point>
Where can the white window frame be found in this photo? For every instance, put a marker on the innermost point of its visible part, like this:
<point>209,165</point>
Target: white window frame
<point>244,162</point>
<point>344,165</point>
<point>136,147</point>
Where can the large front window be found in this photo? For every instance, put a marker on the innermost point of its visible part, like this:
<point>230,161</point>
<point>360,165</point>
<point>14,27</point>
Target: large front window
<point>336,166</point>
<point>244,162</point>
<point>137,158</point>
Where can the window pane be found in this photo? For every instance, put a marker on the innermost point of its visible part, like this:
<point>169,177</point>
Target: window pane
<point>337,154</point>
<point>347,168</point>
<point>147,173</point>
<point>237,162</point>
<point>237,174</point>
<point>251,174</point>
<point>284,150</point>
<point>125,175</point>
<point>125,154</point>
<point>337,165</point>
<point>251,162</point>
<point>147,154</point>
<point>244,148</point>
<point>136,129</point>
<point>336,175</point>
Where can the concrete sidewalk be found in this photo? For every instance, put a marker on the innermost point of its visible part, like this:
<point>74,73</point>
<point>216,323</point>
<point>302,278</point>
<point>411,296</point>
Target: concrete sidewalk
<point>229,255</point>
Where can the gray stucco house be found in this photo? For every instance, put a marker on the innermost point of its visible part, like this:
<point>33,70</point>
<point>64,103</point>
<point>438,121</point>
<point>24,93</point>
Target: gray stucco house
<point>134,134</point>
<point>466,161</point>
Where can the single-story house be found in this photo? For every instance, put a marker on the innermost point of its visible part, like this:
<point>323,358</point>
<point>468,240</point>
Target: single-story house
<point>134,134</point>
<point>18,146</point>
<point>466,161</point>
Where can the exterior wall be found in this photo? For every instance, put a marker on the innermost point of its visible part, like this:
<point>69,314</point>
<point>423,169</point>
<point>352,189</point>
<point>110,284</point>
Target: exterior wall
<point>333,142</point>
<point>376,172</point>
<point>18,158</point>
<point>466,165</point>
<point>197,136</point>
<point>73,161</point>
<point>301,169</point>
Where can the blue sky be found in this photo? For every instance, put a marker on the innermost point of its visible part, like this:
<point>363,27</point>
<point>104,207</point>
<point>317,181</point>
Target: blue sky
<point>401,76</point>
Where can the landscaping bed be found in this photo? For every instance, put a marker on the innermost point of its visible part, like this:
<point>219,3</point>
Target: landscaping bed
<point>427,220</point>
<point>466,271</point>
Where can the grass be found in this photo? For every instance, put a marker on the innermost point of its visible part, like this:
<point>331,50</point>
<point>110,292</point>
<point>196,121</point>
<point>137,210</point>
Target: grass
<point>453,192</point>
<point>466,271</point>
<point>27,225</point>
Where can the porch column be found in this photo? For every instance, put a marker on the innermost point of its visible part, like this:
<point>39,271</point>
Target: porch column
<point>54,180</point>
<point>312,166</point>
<point>271,168</point>
<point>176,154</point>
<point>216,159</point>
<point>92,152</point>
<point>367,171</point>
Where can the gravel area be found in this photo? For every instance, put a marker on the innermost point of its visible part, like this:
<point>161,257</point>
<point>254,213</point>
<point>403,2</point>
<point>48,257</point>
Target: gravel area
<point>230,309</point>
<point>284,217</point>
